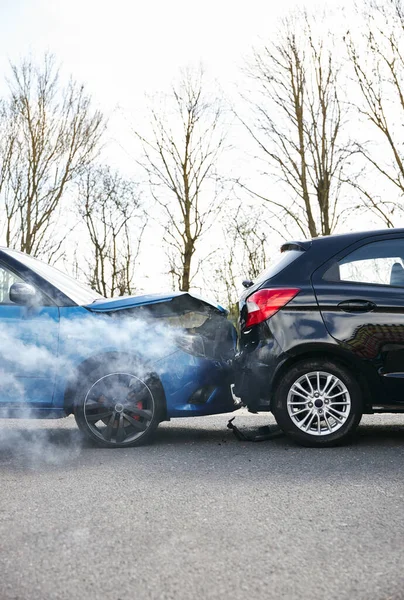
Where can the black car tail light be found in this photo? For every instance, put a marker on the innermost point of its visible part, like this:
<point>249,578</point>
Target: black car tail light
<point>264,303</point>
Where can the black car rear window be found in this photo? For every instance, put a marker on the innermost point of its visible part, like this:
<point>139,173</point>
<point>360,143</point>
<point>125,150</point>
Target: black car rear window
<point>380,263</point>
<point>280,262</point>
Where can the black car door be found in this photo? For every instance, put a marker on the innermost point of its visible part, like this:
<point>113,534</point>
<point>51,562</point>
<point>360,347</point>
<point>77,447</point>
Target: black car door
<point>360,293</point>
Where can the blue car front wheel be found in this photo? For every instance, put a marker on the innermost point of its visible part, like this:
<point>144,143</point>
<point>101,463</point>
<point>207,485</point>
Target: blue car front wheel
<point>119,406</point>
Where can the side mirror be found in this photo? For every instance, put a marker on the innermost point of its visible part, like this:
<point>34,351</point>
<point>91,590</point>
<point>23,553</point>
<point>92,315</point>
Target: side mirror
<point>247,283</point>
<point>22,293</point>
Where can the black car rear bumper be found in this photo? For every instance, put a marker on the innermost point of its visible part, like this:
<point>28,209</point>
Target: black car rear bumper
<point>254,373</point>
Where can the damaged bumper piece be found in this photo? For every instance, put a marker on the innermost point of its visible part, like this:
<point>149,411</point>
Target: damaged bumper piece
<point>265,433</point>
<point>252,368</point>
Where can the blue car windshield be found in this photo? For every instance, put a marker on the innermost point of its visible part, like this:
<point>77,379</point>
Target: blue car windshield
<point>78,292</point>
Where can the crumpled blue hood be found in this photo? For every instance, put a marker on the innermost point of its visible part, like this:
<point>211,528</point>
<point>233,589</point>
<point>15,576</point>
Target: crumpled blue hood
<point>131,301</point>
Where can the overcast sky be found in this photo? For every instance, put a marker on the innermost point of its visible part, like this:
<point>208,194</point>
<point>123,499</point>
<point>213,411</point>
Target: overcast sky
<point>125,49</point>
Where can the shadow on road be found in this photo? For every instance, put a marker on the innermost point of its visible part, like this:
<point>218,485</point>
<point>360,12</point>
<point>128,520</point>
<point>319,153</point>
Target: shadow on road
<point>49,439</point>
<point>380,435</point>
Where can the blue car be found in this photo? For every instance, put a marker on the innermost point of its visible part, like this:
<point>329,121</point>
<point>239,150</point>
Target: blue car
<point>121,366</point>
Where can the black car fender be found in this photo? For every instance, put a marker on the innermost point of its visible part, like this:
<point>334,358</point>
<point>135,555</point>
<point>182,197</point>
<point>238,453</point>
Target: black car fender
<point>366,375</point>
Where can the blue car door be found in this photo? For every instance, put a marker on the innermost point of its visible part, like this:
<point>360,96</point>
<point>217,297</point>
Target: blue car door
<point>28,347</point>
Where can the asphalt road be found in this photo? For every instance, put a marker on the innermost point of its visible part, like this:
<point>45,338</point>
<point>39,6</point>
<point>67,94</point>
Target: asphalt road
<point>200,515</point>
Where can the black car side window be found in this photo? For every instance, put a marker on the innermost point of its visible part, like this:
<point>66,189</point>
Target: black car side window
<point>379,263</point>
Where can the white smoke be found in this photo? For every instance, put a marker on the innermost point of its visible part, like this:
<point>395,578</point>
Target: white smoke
<point>36,348</point>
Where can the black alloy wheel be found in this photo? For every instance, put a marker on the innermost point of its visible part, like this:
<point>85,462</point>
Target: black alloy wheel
<point>118,407</point>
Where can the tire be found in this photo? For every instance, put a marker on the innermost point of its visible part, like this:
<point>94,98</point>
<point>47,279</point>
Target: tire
<point>310,416</point>
<point>119,405</point>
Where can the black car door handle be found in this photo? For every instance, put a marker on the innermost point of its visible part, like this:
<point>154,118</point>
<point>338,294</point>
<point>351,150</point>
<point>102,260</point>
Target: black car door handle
<point>357,306</point>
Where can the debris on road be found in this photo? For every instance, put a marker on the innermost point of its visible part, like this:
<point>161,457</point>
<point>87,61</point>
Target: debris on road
<point>268,432</point>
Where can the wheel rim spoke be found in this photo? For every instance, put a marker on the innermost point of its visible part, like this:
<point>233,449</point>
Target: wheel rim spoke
<point>335,417</point>
<point>305,419</point>
<point>139,425</point>
<point>327,388</point>
<point>327,422</point>
<point>297,393</point>
<point>140,412</point>
<point>93,418</point>
<point>307,427</point>
<point>302,389</point>
<point>121,433</point>
<point>334,410</point>
<point>310,385</point>
<point>107,433</point>
<point>300,411</point>
<point>334,395</point>
<point>297,403</point>
<point>339,403</point>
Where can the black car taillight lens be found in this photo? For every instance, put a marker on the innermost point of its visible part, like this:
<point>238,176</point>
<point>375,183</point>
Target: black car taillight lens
<point>264,303</point>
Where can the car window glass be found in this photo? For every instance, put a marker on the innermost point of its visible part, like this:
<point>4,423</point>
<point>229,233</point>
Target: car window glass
<point>7,278</point>
<point>279,263</point>
<point>378,263</point>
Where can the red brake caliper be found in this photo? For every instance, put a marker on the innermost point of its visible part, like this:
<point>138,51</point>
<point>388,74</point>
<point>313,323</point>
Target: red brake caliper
<point>138,405</point>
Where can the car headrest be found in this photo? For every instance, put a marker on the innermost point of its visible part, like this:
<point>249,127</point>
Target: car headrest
<point>397,274</point>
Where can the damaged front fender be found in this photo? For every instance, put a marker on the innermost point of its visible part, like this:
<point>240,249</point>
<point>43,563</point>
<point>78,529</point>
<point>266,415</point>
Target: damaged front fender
<point>198,377</point>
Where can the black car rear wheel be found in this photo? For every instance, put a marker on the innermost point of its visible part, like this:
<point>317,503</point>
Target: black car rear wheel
<point>318,403</point>
<point>118,406</point>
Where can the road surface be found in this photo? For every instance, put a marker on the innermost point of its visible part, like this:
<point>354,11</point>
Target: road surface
<point>200,515</point>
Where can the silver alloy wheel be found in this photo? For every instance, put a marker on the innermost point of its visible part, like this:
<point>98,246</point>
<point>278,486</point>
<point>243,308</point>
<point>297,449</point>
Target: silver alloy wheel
<point>119,408</point>
<point>319,403</point>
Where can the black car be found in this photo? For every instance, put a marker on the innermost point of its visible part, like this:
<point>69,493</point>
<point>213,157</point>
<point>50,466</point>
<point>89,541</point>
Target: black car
<point>322,335</point>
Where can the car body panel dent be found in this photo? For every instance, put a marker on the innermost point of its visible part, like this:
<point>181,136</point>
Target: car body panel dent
<point>126,302</point>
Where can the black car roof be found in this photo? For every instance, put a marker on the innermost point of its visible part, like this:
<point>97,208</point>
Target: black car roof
<point>358,235</point>
<point>341,239</point>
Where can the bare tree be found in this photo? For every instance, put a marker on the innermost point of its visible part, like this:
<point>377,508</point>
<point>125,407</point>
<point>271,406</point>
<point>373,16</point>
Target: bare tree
<point>298,124</point>
<point>247,230</point>
<point>377,58</point>
<point>115,222</point>
<point>8,137</point>
<point>180,158</point>
<point>55,135</point>
<point>244,255</point>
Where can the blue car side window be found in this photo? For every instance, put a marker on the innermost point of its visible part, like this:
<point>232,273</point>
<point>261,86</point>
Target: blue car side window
<point>7,278</point>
